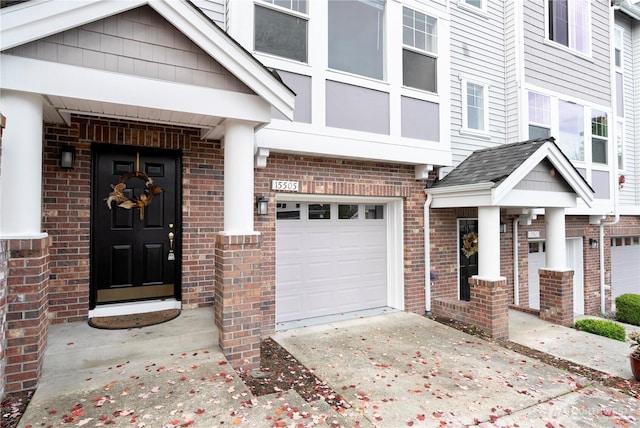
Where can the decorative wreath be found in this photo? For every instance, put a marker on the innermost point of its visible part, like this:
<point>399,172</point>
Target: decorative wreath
<point>140,201</point>
<point>469,244</point>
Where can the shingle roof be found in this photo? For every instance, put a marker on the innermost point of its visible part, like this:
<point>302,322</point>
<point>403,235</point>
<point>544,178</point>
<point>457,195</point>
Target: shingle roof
<point>492,164</point>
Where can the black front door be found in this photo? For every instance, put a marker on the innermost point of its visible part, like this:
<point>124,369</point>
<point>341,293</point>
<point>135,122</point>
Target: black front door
<point>135,231</point>
<point>468,239</point>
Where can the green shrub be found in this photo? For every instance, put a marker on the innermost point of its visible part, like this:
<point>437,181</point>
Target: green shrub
<point>628,309</point>
<point>602,328</point>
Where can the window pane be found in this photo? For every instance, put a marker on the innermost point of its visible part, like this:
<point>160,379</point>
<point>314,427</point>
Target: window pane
<point>287,211</point>
<point>297,5</point>
<point>539,109</point>
<point>599,123</point>
<point>618,46</point>
<point>280,34</point>
<point>356,48</point>
<point>419,71</point>
<point>419,30</point>
<point>599,150</point>
<point>373,212</point>
<point>538,132</point>
<point>475,106</point>
<point>579,32</point>
<point>620,144</point>
<point>571,139</point>
<point>559,21</point>
<point>474,3</point>
<point>319,211</point>
<point>347,212</point>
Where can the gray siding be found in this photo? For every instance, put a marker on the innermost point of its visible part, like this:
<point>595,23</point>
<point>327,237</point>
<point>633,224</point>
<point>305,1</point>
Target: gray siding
<point>357,108</point>
<point>138,42</point>
<point>214,9</point>
<point>477,51</point>
<point>539,179</point>
<point>558,70</point>
<point>513,112</point>
<point>600,184</point>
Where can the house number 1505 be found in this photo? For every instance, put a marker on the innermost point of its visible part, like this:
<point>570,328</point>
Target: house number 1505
<point>286,186</point>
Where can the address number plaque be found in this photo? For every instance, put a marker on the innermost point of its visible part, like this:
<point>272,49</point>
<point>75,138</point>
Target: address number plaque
<point>284,186</point>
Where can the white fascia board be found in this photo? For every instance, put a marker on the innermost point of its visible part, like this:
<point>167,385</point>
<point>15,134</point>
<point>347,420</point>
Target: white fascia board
<point>351,145</point>
<point>532,198</point>
<point>47,78</point>
<point>563,167</point>
<point>230,55</point>
<point>469,195</point>
<point>35,20</point>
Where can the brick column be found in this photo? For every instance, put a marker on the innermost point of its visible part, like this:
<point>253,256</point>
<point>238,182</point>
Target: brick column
<point>237,300</point>
<point>28,281</point>
<point>556,296</point>
<point>490,303</point>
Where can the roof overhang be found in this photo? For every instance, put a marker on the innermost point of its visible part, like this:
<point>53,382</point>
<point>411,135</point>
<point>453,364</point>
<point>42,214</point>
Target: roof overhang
<point>72,89</point>
<point>505,193</point>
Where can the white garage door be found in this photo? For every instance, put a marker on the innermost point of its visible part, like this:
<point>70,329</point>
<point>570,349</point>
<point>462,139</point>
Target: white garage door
<point>625,265</point>
<point>330,258</point>
<point>537,260</point>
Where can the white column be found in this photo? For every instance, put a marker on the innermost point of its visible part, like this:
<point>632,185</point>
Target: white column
<point>489,243</point>
<point>556,257</point>
<point>238,178</point>
<point>21,182</point>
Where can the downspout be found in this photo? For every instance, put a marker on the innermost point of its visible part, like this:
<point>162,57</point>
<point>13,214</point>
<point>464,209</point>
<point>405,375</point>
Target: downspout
<point>427,256</point>
<point>616,186</point>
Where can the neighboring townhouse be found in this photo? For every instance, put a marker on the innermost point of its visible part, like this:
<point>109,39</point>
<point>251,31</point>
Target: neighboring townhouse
<point>284,166</point>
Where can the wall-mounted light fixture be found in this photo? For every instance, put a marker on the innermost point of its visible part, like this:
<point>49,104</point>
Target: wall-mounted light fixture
<point>593,243</point>
<point>67,156</point>
<point>503,227</point>
<point>262,205</point>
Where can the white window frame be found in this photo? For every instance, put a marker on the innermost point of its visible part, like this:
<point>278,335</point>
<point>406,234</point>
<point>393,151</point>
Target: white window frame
<point>424,52</point>
<point>465,108</point>
<point>606,138</point>
<point>268,4</point>
<point>464,4</point>
<point>618,44</point>
<point>621,150</point>
<point>548,124</point>
<point>570,47</point>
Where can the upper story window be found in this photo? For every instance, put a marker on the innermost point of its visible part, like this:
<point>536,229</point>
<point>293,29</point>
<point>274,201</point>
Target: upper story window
<point>475,110</point>
<point>618,44</point>
<point>356,37</point>
<point>568,23</point>
<point>475,3</point>
<point>539,116</point>
<point>420,40</point>
<point>599,137</point>
<point>281,29</point>
<point>620,144</point>
<point>571,130</point>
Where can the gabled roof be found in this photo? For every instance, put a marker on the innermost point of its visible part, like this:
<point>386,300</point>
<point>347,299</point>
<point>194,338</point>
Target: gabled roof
<point>36,19</point>
<point>491,177</point>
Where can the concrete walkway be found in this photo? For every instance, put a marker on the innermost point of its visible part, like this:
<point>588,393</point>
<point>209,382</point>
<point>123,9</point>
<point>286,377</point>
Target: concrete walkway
<point>395,370</point>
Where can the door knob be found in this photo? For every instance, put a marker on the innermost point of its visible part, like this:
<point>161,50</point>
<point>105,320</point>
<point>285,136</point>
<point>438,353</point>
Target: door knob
<point>171,235</point>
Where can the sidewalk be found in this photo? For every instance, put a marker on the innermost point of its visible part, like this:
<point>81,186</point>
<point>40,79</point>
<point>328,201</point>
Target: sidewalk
<point>587,349</point>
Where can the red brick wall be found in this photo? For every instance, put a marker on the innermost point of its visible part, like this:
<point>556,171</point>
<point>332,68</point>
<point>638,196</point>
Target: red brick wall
<point>66,207</point>
<point>351,178</point>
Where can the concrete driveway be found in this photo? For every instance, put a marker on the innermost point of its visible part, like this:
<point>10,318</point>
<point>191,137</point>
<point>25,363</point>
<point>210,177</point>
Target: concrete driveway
<point>394,370</point>
<point>402,369</point>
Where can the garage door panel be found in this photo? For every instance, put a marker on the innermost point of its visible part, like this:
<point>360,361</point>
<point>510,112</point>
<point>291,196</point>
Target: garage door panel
<point>338,265</point>
<point>625,266</point>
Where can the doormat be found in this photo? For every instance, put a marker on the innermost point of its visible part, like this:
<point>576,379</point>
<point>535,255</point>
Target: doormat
<point>121,322</point>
